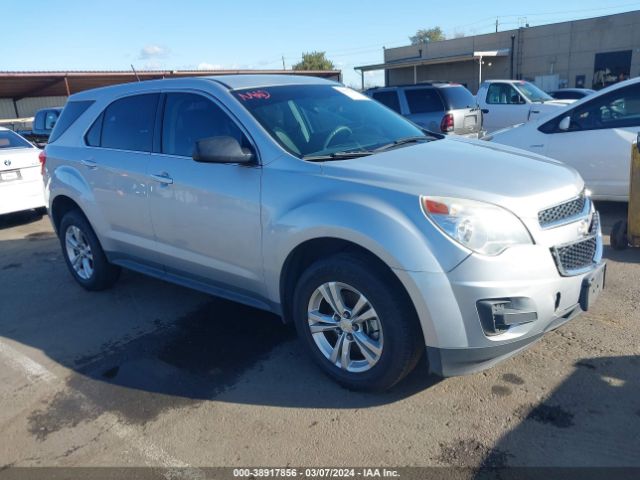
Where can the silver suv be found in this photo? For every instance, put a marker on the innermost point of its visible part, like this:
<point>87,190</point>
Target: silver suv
<point>302,197</point>
<point>448,108</point>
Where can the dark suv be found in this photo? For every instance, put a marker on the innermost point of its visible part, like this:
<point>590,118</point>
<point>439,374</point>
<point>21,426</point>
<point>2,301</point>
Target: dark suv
<point>439,107</point>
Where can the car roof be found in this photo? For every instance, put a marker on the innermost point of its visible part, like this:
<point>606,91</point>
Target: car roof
<point>230,82</point>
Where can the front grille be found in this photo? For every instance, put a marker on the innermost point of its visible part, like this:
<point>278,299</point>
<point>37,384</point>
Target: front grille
<point>576,257</point>
<point>562,212</point>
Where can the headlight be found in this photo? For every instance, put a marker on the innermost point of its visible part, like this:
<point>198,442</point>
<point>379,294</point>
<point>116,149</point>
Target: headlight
<point>479,226</point>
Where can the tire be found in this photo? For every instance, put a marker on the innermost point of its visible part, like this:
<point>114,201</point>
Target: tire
<point>93,271</point>
<point>382,349</point>
<point>618,238</point>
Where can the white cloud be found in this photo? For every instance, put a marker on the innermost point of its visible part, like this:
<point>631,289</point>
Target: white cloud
<point>153,51</point>
<point>209,66</point>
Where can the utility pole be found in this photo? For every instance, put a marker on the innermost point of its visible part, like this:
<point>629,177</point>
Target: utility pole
<point>283,65</point>
<point>496,24</point>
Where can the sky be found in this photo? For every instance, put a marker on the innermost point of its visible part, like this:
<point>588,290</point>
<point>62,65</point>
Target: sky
<point>199,34</point>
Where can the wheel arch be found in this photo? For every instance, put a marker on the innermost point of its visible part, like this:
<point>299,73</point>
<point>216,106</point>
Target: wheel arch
<point>312,250</point>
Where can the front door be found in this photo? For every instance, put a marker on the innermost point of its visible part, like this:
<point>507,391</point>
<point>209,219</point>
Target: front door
<point>504,107</point>
<point>206,216</point>
<point>598,141</point>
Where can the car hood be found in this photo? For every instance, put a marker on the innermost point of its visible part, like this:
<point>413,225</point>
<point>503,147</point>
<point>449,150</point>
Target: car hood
<point>520,181</point>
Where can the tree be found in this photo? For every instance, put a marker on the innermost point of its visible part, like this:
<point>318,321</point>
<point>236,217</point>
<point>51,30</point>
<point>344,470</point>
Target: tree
<point>434,34</point>
<point>314,61</point>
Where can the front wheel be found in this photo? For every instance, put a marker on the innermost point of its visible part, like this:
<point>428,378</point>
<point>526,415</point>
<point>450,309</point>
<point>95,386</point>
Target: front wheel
<point>356,323</point>
<point>84,255</point>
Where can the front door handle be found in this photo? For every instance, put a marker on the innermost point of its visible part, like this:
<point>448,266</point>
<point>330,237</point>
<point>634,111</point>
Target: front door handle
<point>163,178</point>
<point>89,163</point>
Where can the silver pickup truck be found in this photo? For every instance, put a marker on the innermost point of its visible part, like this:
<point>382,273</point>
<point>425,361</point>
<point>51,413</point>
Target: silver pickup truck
<point>296,195</point>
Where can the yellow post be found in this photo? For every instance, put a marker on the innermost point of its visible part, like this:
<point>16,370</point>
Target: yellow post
<point>633,232</point>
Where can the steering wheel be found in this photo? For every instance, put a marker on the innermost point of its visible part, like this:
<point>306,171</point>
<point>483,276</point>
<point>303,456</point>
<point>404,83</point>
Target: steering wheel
<point>334,134</point>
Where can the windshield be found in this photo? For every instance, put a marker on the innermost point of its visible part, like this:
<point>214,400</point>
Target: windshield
<point>9,139</point>
<point>533,93</point>
<point>317,120</point>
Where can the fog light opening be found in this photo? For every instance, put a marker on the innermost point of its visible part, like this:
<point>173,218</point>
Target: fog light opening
<point>500,314</point>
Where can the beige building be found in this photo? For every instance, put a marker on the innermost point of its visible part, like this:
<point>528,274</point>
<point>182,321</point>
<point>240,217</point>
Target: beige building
<point>589,53</point>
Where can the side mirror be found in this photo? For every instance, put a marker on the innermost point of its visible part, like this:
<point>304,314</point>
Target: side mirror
<point>221,149</point>
<point>565,123</point>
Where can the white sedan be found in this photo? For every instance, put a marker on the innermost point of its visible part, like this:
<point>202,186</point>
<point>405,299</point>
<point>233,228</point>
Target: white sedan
<point>593,135</point>
<point>21,185</point>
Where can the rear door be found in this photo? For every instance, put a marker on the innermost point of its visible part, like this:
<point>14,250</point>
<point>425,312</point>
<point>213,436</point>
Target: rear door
<point>115,164</point>
<point>426,107</point>
<point>504,107</point>
<point>598,141</point>
<point>206,216</point>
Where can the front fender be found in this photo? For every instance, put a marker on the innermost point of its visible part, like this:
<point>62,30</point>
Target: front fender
<point>371,222</point>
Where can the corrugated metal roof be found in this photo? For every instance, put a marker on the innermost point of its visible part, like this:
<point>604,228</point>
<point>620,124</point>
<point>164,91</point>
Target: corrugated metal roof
<point>18,85</point>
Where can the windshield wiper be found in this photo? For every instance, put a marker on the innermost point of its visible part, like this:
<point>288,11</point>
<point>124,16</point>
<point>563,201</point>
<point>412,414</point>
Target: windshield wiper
<point>402,141</point>
<point>337,156</point>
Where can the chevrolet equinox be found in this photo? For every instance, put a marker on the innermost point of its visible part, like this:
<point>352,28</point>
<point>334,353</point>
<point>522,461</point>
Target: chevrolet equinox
<point>379,240</point>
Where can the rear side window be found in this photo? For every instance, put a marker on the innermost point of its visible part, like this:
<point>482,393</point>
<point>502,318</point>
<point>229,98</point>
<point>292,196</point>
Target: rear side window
<point>458,97</point>
<point>128,123</point>
<point>424,100</point>
<point>388,99</point>
<point>188,118</point>
<point>70,114</point>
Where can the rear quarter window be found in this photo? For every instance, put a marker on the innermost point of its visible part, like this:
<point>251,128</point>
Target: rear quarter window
<point>458,97</point>
<point>424,100</point>
<point>69,115</point>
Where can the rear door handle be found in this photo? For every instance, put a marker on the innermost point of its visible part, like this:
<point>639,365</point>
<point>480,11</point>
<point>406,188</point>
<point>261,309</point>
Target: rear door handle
<point>163,178</point>
<point>89,163</point>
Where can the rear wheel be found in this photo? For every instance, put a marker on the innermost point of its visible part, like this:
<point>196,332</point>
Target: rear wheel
<point>356,323</point>
<point>618,238</point>
<point>84,255</point>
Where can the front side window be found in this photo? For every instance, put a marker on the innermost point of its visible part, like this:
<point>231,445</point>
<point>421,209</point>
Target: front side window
<point>424,100</point>
<point>618,109</point>
<point>9,139</point>
<point>128,123</point>
<point>310,120</point>
<point>503,94</point>
<point>189,117</point>
<point>389,99</point>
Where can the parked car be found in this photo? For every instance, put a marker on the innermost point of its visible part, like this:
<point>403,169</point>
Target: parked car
<point>20,176</point>
<point>510,102</point>
<point>43,122</point>
<point>594,136</point>
<point>302,197</point>
<point>570,93</point>
<point>448,108</point>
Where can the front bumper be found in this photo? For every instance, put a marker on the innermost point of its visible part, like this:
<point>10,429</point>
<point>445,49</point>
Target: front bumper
<point>457,341</point>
